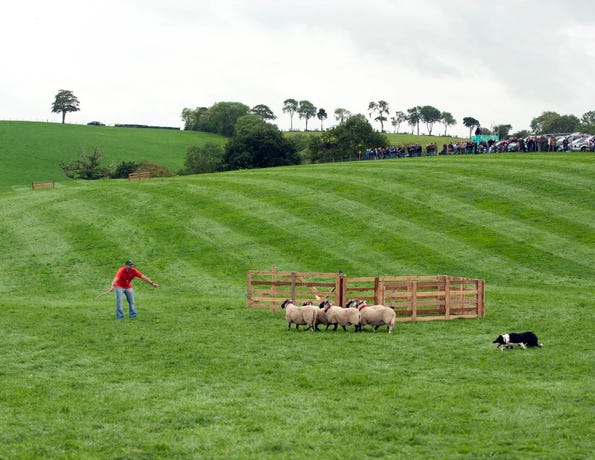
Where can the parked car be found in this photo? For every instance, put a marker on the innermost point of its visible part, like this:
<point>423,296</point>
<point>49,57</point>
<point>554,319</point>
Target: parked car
<point>560,143</point>
<point>500,146</point>
<point>95,123</point>
<point>581,144</point>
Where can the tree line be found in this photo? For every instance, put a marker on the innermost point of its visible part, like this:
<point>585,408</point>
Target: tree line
<point>253,142</point>
<point>219,118</point>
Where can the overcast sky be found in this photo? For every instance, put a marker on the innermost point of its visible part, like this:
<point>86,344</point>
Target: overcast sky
<point>143,61</point>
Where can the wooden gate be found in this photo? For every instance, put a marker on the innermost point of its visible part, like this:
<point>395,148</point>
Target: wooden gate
<point>268,289</point>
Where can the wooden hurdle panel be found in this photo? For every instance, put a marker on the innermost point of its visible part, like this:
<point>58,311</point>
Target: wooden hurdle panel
<point>466,297</point>
<point>362,288</point>
<point>268,289</point>
<point>416,298</point>
<point>141,175</point>
<point>42,185</point>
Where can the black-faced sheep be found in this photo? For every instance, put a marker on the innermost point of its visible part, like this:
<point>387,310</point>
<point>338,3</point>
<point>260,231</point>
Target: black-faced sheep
<point>320,315</point>
<point>321,318</point>
<point>339,316</point>
<point>305,315</point>
<point>374,315</point>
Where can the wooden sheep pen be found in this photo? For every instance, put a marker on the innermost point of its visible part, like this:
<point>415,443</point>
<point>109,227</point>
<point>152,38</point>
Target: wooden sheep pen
<point>414,298</point>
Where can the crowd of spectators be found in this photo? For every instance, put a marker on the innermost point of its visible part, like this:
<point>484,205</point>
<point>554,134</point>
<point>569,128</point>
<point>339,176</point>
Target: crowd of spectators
<point>544,143</point>
<point>416,150</point>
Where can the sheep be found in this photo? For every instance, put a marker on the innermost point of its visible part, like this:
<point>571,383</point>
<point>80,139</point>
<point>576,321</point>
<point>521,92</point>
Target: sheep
<point>305,315</point>
<point>321,318</point>
<point>339,316</point>
<point>320,315</point>
<point>375,315</point>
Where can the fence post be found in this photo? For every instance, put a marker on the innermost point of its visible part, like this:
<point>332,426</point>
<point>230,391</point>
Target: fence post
<point>447,297</point>
<point>481,293</point>
<point>293,278</point>
<point>378,291</point>
<point>249,291</point>
<point>412,288</point>
<point>273,277</point>
<point>340,288</point>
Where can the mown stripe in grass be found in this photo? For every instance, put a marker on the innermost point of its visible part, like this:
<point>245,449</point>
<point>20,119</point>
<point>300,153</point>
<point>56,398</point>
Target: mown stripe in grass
<point>511,232</point>
<point>402,198</point>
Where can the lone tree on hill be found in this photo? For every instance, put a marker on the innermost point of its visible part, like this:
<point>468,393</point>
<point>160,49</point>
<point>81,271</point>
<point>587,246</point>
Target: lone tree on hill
<point>414,117</point>
<point>399,118</point>
<point>382,108</point>
<point>470,123</point>
<point>321,115</point>
<point>65,102</point>
<point>448,120</point>
<point>290,106</point>
<point>306,110</point>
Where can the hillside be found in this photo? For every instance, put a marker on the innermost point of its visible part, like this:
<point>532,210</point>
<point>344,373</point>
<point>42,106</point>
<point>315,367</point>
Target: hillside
<point>32,151</point>
<point>198,375</point>
<point>507,218</point>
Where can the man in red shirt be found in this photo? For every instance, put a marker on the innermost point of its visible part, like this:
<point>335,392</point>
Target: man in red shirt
<point>122,284</point>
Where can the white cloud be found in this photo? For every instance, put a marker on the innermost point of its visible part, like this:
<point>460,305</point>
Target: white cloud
<point>136,61</point>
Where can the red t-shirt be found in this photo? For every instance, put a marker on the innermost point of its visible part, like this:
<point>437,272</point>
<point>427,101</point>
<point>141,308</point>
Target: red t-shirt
<point>125,275</point>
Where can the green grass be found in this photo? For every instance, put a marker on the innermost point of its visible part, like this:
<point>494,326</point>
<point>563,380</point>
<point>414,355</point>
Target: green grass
<point>198,375</point>
<point>394,139</point>
<point>424,140</point>
<point>32,151</point>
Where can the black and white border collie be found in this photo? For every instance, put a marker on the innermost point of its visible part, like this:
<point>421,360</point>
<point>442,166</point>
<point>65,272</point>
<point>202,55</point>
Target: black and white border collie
<point>515,339</point>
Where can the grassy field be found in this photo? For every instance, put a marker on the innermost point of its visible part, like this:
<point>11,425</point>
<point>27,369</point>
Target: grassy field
<point>198,375</point>
<point>406,139</point>
<point>393,139</point>
<point>32,151</point>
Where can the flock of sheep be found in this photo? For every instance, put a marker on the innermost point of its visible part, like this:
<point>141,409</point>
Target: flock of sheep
<point>355,313</point>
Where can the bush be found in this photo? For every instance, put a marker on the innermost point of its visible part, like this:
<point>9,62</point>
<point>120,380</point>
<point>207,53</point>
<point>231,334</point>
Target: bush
<point>206,158</point>
<point>87,166</point>
<point>125,168</point>
<point>258,144</point>
<point>155,169</point>
<point>355,134</point>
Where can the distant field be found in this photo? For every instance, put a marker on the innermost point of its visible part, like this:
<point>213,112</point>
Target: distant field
<point>394,139</point>
<point>405,139</point>
<point>198,375</point>
<point>32,151</point>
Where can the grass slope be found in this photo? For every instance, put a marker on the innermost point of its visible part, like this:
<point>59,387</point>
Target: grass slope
<point>198,375</point>
<point>32,151</point>
<point>423,140</point>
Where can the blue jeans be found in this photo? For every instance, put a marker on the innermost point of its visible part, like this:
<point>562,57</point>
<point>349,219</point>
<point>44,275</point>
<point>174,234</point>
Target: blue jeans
<point>129,293</point>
